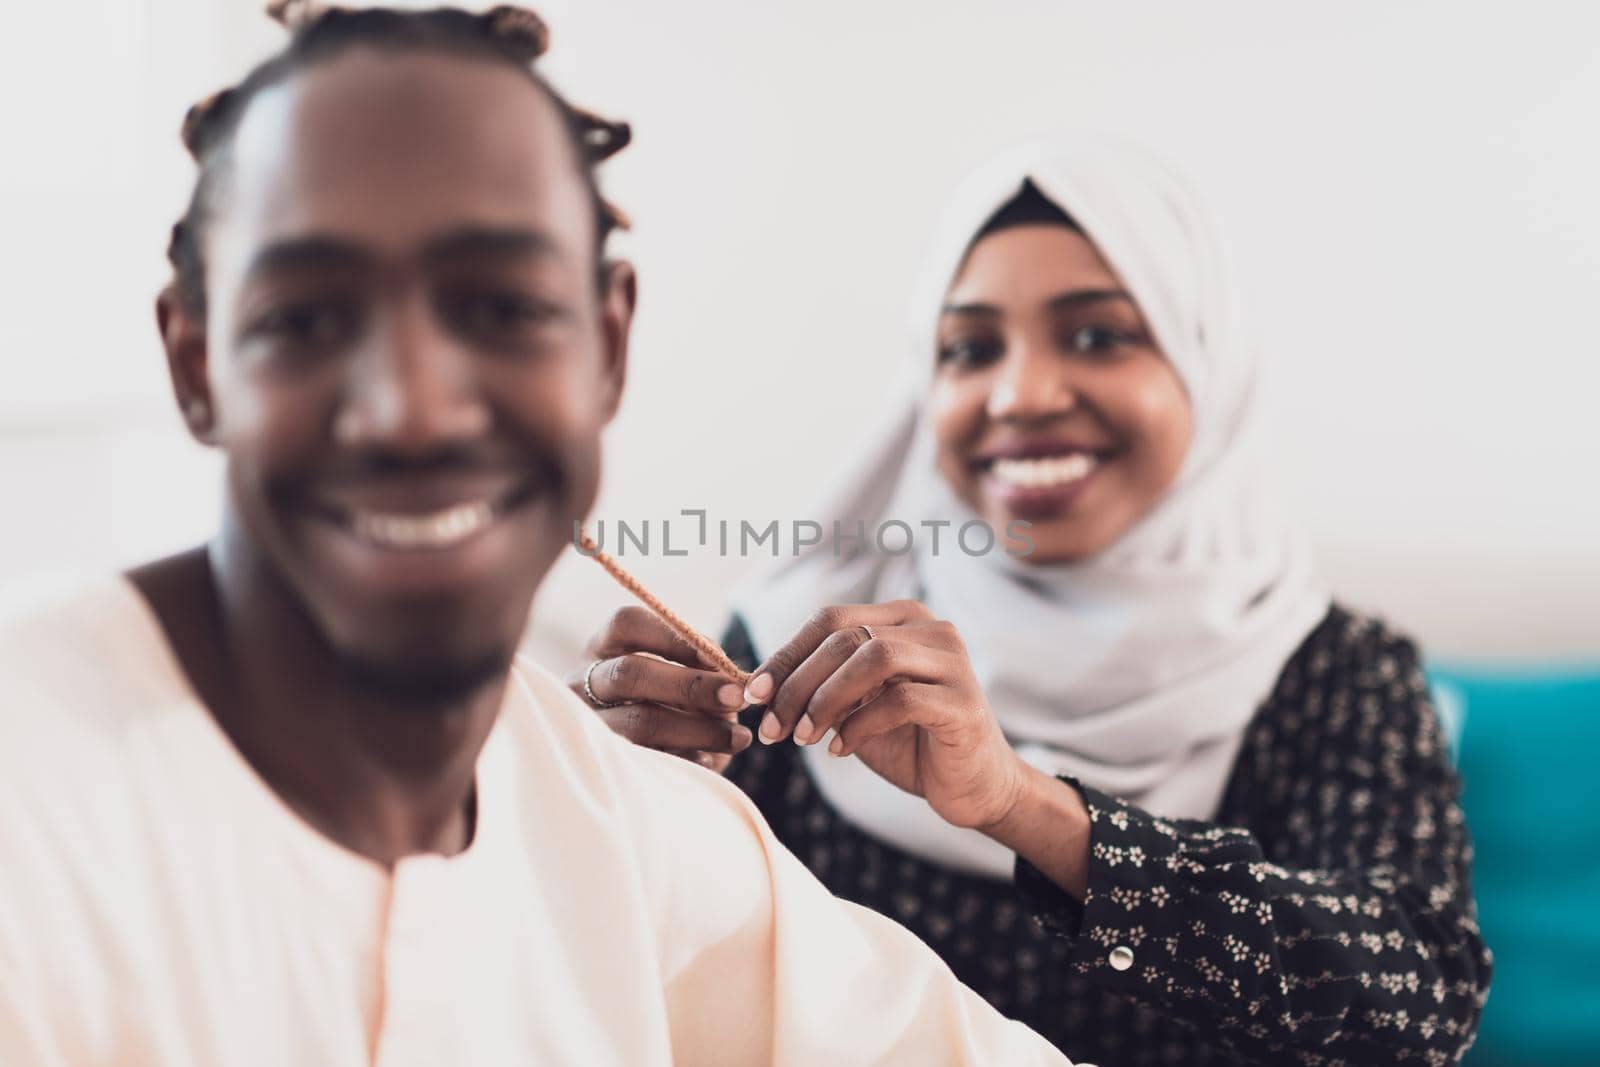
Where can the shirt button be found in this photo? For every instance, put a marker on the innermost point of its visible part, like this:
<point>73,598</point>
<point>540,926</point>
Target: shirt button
<point>1121,958</point>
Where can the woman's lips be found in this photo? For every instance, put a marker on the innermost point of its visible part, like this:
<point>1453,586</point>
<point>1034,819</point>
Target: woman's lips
<point>1039,487</point>
<point>1044,472</point>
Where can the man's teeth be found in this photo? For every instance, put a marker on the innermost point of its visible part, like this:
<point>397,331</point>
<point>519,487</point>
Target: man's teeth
<point>1045,472</point>
<point>439,529</point>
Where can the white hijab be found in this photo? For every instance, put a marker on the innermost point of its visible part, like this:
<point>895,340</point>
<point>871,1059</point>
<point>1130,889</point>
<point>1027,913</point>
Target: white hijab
<point>1135,671</point>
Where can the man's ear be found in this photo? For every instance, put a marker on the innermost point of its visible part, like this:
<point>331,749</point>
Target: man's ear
<point>183,335</point>
<point>619,296</point>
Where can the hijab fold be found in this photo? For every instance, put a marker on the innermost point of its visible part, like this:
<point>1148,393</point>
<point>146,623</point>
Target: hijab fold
<point>1135,671</point>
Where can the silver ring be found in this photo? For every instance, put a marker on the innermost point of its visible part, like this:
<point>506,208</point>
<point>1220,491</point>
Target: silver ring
<point>588,690</point>
<point>868,629</point>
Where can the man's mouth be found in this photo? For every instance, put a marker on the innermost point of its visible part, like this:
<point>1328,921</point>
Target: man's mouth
<point>427,520</point>
<point>444,528</point>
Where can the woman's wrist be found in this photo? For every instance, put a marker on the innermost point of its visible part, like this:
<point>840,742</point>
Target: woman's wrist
<point>1047,825</point>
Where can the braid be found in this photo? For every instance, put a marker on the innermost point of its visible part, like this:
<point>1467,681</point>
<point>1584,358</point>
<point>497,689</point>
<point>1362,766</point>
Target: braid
<point>519,30</point>
<point>601,139</point>
<point>318,32</point>
<point>294,14</point>
<point>702,644</point>
<point>198,119</point>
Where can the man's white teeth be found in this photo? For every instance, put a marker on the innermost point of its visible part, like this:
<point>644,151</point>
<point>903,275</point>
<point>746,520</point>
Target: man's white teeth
<point>439,529</point>
<point>1045,472</point>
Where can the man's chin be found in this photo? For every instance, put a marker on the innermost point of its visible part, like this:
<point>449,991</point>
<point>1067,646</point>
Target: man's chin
<point>411,681</point>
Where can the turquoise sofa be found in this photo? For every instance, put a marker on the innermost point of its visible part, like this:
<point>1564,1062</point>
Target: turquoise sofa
<point>1528,745</point>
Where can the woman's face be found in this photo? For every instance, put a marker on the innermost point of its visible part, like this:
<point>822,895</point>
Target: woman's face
<point>1051,402</point>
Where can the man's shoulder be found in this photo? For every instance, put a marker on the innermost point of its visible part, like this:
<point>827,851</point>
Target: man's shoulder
<point>552,716</point>
<point>546,698</point>
<point>544,712</point>
<point>71,651</point>
<point>44,614</point>
<point>683,824</point>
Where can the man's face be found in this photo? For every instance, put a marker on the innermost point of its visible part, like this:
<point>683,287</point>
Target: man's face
<point>407,357</point>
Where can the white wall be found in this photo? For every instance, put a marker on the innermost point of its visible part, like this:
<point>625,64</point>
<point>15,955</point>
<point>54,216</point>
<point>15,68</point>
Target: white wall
<point>1409,189</point>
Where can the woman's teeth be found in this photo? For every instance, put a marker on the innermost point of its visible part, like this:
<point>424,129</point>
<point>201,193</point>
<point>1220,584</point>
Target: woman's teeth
<point>439,529</point>
<point>1046,472</point>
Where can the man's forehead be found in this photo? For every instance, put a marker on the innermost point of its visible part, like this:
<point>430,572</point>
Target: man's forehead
<point>398,149</point>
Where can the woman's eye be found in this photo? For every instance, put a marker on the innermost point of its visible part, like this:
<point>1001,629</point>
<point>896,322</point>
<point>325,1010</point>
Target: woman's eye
<point>310,326</point>
<point>970,353</point>
<point>1095,339</point>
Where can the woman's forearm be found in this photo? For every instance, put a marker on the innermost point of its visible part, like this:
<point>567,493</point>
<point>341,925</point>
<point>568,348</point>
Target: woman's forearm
<point>1049,827</point>
<point>1278,964</point>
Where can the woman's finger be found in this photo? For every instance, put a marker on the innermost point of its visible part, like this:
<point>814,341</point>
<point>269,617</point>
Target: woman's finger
<point>794,695</point>
<point>900,704</point>
<point>644,678</point>
<point>638,629</point>
<point>655,726</point>
<point>887,657</point>
<point>767,682</point>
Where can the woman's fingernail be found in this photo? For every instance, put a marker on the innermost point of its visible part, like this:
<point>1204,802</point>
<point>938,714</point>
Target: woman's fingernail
<point>803,731</point>
<point>770,728</point>
<point>731,696</point>
<point>758,689</point>
<point>836,746</point>
<point>741,738</point>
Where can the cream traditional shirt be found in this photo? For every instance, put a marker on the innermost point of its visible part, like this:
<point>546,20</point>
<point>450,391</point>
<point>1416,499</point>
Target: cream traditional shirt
<point>159,904</point>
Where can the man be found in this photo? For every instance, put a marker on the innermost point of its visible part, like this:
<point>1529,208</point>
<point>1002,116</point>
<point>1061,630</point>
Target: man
<point>286,799</point>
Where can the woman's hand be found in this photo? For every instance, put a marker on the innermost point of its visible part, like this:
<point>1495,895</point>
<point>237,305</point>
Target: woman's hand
<point>896,685</point>
<point>653,690</point>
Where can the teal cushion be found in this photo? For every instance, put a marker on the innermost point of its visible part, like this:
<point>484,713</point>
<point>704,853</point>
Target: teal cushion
<point>1529,754</point>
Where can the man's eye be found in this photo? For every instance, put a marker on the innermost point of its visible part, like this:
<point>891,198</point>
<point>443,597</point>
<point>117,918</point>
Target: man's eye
<point>307,326</point>
<point>969,353</point>
<point>497,313</point>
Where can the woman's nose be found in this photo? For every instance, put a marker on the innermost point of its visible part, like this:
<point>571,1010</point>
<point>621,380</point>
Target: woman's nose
<point>412,388</point>
<point>1031,384</point>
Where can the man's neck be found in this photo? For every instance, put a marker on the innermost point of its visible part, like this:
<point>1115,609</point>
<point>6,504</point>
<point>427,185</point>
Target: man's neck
<point>382,781</point>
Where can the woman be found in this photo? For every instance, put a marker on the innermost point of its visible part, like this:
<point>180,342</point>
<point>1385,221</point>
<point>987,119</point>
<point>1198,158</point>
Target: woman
<point>1143,786</point>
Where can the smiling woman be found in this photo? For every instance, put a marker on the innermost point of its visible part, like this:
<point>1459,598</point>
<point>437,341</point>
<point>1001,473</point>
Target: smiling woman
<point>1146,787</point>
<point>1037,332</point>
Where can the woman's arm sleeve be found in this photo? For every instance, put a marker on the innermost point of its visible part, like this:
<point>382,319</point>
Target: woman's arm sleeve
<point>1348,934</point>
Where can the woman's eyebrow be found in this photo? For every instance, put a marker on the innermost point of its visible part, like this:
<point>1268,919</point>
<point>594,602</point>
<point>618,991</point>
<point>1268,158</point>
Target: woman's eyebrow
<point>1079,297</point>
<point>970,309</point>
<point>1059,302</point>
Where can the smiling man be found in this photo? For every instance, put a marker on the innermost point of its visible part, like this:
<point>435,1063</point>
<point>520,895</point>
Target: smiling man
<point>288,798</point>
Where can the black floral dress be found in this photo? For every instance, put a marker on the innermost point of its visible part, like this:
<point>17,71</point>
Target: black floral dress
<point>1326,916</point>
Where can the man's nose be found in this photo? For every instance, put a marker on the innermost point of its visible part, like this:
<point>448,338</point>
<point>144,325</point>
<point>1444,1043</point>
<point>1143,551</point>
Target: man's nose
<point>1033,383</point>
<point>412,387</point>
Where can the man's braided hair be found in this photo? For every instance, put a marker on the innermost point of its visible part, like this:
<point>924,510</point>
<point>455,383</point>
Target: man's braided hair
<point>511,35</point>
